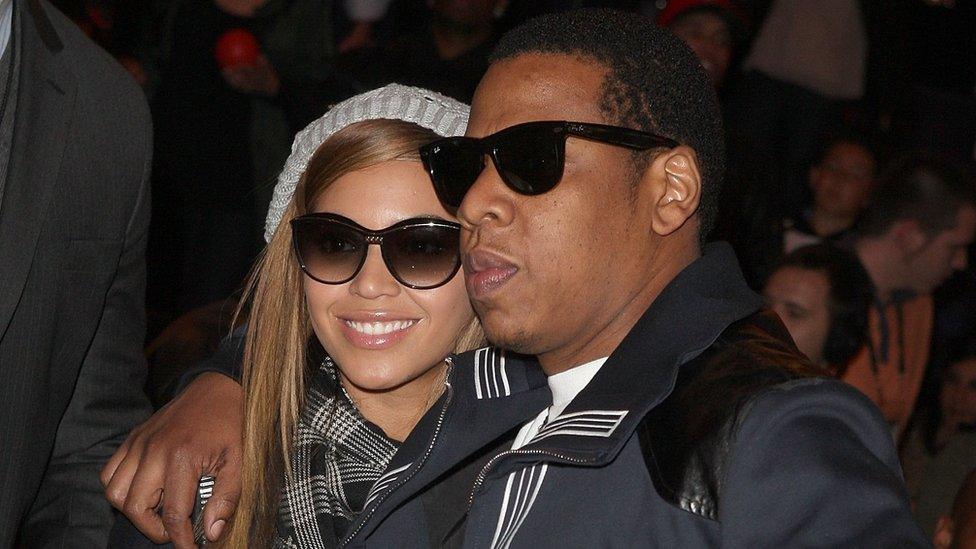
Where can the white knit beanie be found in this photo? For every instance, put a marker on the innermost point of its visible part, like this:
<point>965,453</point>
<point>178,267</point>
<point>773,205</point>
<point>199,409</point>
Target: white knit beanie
<point>443,115</point>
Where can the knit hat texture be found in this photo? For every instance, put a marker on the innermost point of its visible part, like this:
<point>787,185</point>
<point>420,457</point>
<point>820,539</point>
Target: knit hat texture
<point>444,116</point>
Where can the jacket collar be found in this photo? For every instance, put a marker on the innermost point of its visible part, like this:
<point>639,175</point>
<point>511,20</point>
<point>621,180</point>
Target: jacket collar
<point>491,393</point>
<point>685,319</point>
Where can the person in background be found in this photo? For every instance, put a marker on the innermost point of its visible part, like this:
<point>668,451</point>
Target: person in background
<point>446,52</point>
<point>75,155</point>
<point>361,16</point>
<point>912,238</point>
<point>841,182</point>
<point>957,530</point>
<point>806,62</point>
<point>709,27</point>
<point>822,295</point>
<point>940,450</point>
<point>222,134</point>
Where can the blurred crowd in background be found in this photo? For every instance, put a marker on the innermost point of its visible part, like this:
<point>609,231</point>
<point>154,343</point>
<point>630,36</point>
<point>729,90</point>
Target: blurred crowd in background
<point>851,140</point>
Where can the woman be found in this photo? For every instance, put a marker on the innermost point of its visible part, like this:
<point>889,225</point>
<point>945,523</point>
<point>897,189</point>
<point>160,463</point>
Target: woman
<point>348,343</point>
<point>361,425</point>
<point>940,450</point>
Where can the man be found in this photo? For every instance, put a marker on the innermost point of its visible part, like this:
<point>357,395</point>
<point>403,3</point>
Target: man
<point>74,210</point>
<point>447,52</point>
<point>627,282</point>
<point>710,29</point>
<point>822,294</point>
<point>807,60</point>
<point>681,413</point>
<point>841,182</point>
<point>940,450</point>
<point>222,135</point>
<point>911,240</point>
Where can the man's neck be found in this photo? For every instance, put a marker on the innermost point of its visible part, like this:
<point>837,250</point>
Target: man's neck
<point>602,339</point>
<point>878,259</point>
<point>453,41</point>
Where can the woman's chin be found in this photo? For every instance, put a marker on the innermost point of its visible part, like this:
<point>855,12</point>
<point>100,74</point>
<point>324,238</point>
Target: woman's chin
<point>384,377</point>
<point>377,377</point>
<point>375,385</point>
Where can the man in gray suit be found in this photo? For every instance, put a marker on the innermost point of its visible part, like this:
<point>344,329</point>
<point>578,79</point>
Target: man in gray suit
<point>75,154</point>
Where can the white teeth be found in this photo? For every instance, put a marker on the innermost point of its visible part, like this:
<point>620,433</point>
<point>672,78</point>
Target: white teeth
<point>379,328</point>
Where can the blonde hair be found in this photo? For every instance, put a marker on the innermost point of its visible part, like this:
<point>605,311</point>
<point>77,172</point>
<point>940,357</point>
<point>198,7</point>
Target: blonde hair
<point>279,331</point>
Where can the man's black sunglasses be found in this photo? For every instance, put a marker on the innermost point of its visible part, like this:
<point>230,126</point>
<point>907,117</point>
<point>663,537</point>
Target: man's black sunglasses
<point>529,157</point>
<point>420,253</point>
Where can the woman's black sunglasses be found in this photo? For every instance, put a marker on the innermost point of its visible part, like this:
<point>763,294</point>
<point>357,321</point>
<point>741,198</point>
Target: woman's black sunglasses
<point>420,253</point>
<point>529,157</point>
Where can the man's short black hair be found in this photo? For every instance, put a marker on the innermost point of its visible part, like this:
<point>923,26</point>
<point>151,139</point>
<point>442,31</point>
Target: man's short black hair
<point>921,187</point>
<point>851,293</point>
<point>654,82</point>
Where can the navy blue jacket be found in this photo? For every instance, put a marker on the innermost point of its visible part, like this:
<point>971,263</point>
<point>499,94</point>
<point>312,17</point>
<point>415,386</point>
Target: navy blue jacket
<point>805,461</point>
<point>674,443</point>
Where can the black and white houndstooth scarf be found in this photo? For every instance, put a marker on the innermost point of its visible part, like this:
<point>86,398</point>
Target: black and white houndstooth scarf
<point>336,459</point>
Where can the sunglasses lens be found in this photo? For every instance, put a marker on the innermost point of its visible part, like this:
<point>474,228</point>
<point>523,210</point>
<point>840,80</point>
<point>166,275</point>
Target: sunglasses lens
<point>423,256</point>
<point>329,251</point>
<point>530,159</point>
<point>453,164</point>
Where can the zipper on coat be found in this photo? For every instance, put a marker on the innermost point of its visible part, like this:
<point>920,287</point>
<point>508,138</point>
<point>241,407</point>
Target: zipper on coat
<point>480,479</point>
<point>449,392</point>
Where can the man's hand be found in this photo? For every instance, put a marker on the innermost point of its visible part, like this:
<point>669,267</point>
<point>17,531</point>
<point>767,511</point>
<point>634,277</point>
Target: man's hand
<point>258,79</point>
<point>153,476</point>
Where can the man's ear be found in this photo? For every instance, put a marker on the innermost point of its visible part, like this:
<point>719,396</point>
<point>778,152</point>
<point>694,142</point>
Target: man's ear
<point>675,184</point>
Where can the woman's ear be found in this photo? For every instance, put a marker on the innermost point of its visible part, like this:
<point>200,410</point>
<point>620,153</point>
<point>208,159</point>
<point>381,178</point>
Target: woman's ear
<point>675,182</point>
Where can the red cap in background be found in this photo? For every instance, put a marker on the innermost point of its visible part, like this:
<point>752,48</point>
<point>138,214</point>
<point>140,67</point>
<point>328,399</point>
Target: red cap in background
<point>673,8</point>
<point>237,47</point>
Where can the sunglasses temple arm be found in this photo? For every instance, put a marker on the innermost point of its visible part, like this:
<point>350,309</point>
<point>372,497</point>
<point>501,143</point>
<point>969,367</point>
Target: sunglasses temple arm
<point>624,137</point>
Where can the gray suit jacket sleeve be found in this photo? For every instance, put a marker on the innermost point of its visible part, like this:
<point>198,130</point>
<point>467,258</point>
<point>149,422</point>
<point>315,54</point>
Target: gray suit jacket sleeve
<point>815,466</point>
<point>70,509</point>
